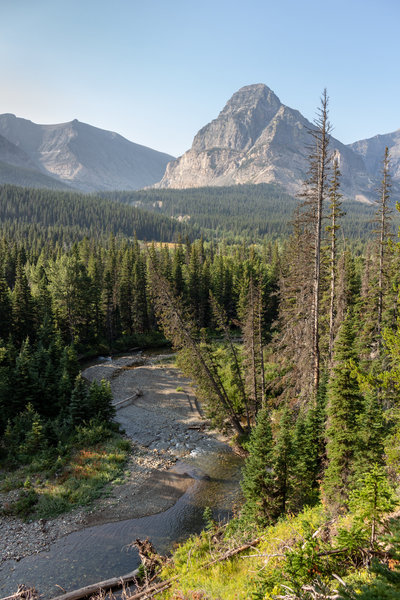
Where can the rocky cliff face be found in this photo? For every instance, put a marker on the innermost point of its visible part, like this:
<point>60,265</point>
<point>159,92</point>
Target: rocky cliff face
<point>257,139</point>
<point>372,152</point>
<point>82,156</point>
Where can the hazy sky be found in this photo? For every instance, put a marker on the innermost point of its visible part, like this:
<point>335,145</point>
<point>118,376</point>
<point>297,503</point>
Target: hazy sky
<point>156,71</point>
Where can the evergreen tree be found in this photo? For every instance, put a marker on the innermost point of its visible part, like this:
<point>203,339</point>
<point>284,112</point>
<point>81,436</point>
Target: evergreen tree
<point>345,407</point>
<point>22,307</point>
<point>332,228</point>
<point>258,472</point>
<point>80,405</point>
<point>5,310</point>
<point>372,499</point>
<point>101,401</point>
<point>283,462</point>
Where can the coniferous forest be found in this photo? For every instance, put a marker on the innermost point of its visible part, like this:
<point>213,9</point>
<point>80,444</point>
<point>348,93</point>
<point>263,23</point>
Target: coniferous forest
<point>292,340</point>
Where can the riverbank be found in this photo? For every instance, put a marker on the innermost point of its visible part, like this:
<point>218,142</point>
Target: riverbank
<point>163,422</point>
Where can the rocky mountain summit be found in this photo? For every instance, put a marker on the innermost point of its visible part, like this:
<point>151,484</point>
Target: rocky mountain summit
<point>372,151</point>
<point>78,155</point>
<point>257,139</point>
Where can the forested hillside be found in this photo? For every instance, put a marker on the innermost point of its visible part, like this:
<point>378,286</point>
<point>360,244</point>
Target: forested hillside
<point>69,216</point>
<point>250,212</point>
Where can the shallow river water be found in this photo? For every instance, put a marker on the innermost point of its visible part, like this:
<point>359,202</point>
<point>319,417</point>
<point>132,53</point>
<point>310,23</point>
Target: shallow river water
<point>100,552</point>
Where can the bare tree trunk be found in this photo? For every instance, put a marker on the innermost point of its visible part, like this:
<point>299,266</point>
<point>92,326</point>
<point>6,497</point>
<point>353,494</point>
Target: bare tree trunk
<point>262,373</point>
<point>321,136</point>
<point>333,227</point>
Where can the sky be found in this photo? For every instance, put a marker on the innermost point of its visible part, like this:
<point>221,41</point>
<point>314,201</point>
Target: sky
<point>156,71</point>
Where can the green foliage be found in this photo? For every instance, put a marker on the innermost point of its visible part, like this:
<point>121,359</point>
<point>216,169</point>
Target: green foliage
<point>345,405</point>
<point>385,584</point>
<point>258,473</point>
<point>372,499</point>
<point>25,505</point>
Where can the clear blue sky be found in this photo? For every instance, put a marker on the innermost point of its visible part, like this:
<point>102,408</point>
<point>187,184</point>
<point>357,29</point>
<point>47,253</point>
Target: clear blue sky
<point>156,71</point>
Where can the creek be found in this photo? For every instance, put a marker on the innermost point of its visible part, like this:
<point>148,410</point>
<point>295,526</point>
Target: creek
<point>103,551</point>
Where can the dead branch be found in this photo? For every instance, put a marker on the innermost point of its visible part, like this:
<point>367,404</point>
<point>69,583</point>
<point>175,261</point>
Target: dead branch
<point>96,587</point>
<point>23,593</point>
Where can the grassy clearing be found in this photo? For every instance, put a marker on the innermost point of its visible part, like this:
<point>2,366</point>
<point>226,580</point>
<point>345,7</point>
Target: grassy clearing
<point>49,488</point>
<point>240,576</point>
<point>292,553</point>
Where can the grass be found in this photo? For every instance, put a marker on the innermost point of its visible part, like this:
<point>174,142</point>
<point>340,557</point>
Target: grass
<point>238,577</point>
<point>78,481</point>
<point>287,556</point>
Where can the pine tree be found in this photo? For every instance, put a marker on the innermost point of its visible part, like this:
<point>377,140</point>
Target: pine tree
<point>5,310</point>
<point>345,407</point>
<point>308,453</point>
<point>101,401</point>
<point>283,462</point>
<point>258,472</point>
<point>372,499</point>
<point>371,434</point>
<point>80,406</point>
<point>383,219</point>
<point>22,307</point>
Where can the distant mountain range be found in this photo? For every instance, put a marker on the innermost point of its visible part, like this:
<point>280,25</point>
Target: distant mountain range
<point>74,155</point>
<point>255,139</point>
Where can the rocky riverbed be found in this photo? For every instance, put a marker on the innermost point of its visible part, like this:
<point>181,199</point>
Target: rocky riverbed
<point>164,422</point>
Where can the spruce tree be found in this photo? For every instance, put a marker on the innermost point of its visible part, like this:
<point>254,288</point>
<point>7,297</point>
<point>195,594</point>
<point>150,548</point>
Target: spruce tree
<point>5,310</point>
<point>80,406</point>
<point>258,472</point>
<point>283,462</point>
<point>100,401</point>
<point>344,409</point>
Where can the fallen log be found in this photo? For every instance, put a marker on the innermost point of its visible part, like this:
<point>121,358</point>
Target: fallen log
<point>122,403</point>
<point>94,588</point>
<point>151,591</point>
<point>233,552</point>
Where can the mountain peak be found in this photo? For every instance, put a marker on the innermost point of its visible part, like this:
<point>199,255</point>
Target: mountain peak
<point>250,96</point>
<point>241,121</point>
<point>257,139</point>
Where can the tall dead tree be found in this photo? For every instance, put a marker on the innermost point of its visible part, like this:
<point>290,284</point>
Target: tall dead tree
<point>315,193</point>
<point>332,228</point>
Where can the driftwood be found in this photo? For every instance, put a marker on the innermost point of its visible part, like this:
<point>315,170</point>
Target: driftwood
<point>23,593</point>
<point>125,401</point>
<point>233,552</point>
<point>89,590</point>
<point>152,590</point>
<point>149,557</point>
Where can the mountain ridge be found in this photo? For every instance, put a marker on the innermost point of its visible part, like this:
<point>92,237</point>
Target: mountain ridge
<point>82,156</point>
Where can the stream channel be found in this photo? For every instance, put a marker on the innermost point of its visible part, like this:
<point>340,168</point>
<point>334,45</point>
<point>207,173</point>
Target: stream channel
<point>101,552</point>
